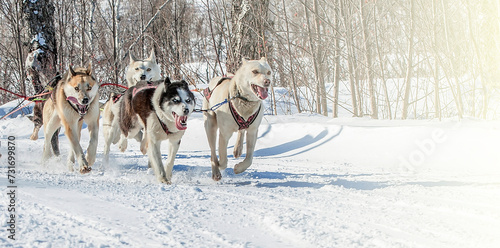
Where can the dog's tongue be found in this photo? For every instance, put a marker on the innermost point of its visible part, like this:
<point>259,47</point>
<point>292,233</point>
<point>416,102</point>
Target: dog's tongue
<point>180,122</point>
<point>262,92</point>
<point>81,108</point>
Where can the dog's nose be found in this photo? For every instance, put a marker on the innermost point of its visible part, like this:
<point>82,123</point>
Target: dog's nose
<point>85,100</point>
<point>267,83</point>
<point>143,77</point>
<point>186,111</point>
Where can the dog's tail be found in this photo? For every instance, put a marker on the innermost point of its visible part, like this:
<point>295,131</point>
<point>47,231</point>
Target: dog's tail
<point>55,142</point>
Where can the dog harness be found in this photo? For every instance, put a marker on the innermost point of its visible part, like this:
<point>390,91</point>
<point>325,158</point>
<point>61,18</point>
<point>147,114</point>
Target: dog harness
<point>115,98</point>
<point>208,93</point>
<point>242,123</point>
<point>163,126</point>
<point>137,90</point>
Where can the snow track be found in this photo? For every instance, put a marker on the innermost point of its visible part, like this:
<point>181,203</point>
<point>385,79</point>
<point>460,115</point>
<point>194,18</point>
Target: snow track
<point>314,183</point>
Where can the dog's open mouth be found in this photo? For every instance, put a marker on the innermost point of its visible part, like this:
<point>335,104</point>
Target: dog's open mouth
<point>180,121</point>
<point>261,92</point>
<point>81,109</point>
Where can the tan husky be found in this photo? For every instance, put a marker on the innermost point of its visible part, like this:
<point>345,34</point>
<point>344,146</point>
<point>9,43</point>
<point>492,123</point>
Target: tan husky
<point>242,113</point>
<point>74,100</point>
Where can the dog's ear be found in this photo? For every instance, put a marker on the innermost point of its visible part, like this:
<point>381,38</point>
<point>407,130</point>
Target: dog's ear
<point>72,72</point>
<point>89,69</point>
<point>131,57</point>
<point>263,59</point>
<point>166,82</point>
<point>152,56</point>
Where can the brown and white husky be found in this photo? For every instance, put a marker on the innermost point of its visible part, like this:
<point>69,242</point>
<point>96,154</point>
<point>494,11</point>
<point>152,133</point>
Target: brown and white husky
<point>161,110</point>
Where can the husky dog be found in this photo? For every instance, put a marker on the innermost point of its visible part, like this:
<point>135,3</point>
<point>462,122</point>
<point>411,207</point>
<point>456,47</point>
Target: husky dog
<point>162,112</point>
<point>75,99</point>
<point>146,70</point>
<point>243,113</point>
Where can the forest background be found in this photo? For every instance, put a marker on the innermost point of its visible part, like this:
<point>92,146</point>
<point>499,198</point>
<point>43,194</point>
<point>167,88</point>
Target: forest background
<point>392,59</point>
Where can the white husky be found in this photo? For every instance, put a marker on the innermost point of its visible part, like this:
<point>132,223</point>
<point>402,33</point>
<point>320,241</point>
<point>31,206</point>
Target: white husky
<point>137,70</point>
<point>242,113</point>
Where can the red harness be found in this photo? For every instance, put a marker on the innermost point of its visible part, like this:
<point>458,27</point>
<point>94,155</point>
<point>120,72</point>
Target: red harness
<point>242,123</point>
<point>137,90</point>
<point>163,126</point>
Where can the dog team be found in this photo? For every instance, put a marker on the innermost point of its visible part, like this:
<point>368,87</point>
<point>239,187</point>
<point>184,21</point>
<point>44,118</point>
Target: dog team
<point>153,110</point>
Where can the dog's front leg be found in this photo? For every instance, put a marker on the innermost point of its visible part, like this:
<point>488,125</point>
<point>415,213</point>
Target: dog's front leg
<point>251,140</point>
<point>73,135</point>
<point>173,148</point>
<point>238,147</point>
<point>223,141</point>
<point>93,127</point>
<point>154,155</point>
<point>211,130</point>
<point>122,144</point>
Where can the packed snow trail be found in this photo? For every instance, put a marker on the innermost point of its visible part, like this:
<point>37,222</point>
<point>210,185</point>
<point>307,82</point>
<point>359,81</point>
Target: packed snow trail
<point>315,182</point>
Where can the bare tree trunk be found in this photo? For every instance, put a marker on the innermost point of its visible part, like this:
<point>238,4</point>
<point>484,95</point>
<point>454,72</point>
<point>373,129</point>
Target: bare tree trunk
<point>19,47</point>
<point>368,59</point>
<point>218,62</point>
<point>479,62</point>
<point>42,57</point>
<point>381,63</point>
<point>350,59</point>
<point>114,12</point>
<point>336,80</point>
<point>319,62</point>
<point>290,58</point>
<point>249,24</point>
<point>409,66</point>
<point>437,102</point>
<point>458,94</point>
<point>84,24</point>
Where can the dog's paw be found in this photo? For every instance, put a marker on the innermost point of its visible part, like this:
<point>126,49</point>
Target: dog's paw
<point>164,180</point>
<point>216,175</point>
<point>34,136</point>
<point>85,169</point>
<point>123,146</point>
<point>237,152</point>
<point>240,167</point>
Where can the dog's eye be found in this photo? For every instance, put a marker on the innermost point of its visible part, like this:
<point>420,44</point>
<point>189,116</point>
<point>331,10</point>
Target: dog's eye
<point>89,88</point>
<point>77,88</point>
<point>255,72</point>
<point>149,69</point>
<point>269,73</point>
<point>176,100</point>
<point>188,100</point>
<point>137,68</point>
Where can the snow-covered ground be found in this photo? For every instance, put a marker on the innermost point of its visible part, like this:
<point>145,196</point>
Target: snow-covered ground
<point>315,182</point>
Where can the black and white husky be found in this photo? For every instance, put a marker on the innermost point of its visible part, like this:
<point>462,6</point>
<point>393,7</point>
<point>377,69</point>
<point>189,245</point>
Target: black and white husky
<point>162,110</point>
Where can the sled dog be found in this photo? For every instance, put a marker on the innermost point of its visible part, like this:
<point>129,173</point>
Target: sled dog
<point>145,70</point>
<point>161,111</point>
<point>75,99</point>
<point>137,70</point>
<point>243,112</point>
